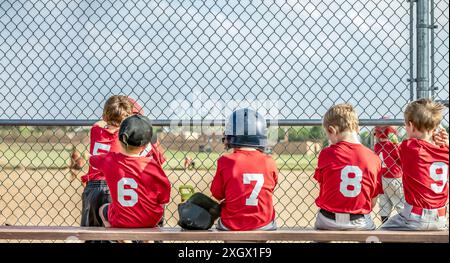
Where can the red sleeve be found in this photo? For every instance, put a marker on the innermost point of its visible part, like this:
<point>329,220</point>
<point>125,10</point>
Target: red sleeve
<point>217,185</point>
<point>378,182</point>
<point>96,161</point>
<point>272,167</point>
<point>275,174</point>
<point>320,163</point>
<point>408,150</point>
<point>164,194</point>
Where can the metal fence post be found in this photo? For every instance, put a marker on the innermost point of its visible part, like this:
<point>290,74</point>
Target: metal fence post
<point>423,88</point>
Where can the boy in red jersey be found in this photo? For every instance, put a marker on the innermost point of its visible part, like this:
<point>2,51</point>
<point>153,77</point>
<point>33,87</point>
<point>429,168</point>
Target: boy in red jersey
<point>348,174</point>
<point>245,179</point>
<point>139,187</point>
<point>387,149</point>
<point>424,158</point>
<point>103,139</point>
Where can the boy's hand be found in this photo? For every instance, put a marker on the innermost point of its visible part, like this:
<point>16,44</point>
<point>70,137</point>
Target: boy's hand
<point>440,137</point>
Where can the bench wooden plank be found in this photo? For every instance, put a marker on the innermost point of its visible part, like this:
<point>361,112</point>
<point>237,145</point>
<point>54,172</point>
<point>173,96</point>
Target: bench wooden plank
<point>177,234</point>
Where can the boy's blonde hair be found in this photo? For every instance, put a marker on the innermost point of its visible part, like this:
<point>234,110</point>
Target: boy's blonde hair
<point>342,117</point>
<point>116,109</point>
<point>424,114</point>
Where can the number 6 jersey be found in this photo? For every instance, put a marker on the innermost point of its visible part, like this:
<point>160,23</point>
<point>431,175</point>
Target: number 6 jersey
<point>245,181</point>
<point>349,176</point>
<point>139,189</point>
<point>425,173</point>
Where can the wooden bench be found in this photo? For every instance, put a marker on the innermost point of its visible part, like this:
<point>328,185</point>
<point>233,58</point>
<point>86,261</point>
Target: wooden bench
<point>177,234</point>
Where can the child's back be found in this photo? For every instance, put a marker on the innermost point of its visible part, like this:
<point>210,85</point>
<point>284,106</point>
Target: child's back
<point>425,166</point>
<point>138,186</point>
<point>424,157</point>
<point>102,140</point>
<point>348,176</point>
<point>246,180</point>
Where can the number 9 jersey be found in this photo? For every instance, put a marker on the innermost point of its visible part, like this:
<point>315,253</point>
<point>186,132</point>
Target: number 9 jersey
<point>349,175</point>
<point>245,181</point>
<point>425,173</point>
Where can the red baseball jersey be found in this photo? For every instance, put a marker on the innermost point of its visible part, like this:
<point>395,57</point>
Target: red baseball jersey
<point>139,189</point>
<point>349,176</point>
<point>390,159</point>
<point>104,141</point>
<point>245,181</point>
<point>425,173</point>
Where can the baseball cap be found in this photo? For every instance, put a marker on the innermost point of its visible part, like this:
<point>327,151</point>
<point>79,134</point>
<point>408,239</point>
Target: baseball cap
<point>137,109</point>
<point>136,130</point>
<point>383,132</point>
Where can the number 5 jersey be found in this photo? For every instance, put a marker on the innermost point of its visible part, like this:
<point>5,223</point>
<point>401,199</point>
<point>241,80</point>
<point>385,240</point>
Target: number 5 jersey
<point>349,176</point>
<point>425,173</point>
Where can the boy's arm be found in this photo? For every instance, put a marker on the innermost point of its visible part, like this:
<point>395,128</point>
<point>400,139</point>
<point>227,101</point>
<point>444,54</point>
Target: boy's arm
<point>164,187</point>
<point>318,172</point>
<point>378,189</point>
<point>217,185</point>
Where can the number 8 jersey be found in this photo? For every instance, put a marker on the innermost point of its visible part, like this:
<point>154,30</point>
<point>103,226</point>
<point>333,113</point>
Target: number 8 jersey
<point>425,173</point>
<point>245,180</point>
<point>349,175</point>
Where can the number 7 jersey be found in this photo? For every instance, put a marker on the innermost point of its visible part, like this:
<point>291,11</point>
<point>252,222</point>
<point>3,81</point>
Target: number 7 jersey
<point>425,173</point>
<point>349,176</point>
<point>245,181</point>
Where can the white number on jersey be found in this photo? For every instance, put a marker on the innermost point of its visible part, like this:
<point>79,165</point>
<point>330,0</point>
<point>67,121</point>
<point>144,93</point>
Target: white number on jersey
<point>146,150</point>
<point>259,178</point>
<point>122,192</point>
<point>100,146</point>
<point>346,181</point>
<point>382,160</point>
<point>441,176</point>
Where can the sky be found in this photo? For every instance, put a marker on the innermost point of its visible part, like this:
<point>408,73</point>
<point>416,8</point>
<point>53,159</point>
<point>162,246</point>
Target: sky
<point>61,59</point>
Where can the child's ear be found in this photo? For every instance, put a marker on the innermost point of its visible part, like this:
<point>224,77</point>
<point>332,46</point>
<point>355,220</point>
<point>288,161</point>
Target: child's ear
<point>331,130</point>
<point>411,126</point>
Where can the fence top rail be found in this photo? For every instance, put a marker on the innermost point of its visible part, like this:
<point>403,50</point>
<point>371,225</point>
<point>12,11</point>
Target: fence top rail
<point>191,122</point>
<point>177,234</point>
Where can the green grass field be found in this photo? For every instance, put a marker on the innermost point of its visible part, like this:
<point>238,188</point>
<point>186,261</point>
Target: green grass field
<point>45,156</point>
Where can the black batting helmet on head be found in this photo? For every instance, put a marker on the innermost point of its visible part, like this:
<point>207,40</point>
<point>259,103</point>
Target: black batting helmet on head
<point>246,128</point>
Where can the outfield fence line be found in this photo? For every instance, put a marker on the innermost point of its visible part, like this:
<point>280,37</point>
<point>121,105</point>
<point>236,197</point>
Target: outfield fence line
<point>181,123</point>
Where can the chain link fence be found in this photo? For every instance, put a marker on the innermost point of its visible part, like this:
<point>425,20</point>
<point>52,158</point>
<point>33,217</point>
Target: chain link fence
<point>195,60</point>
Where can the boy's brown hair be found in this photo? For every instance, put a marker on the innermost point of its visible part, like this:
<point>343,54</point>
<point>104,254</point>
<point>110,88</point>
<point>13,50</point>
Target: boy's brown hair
<point>116,109</point>
<point>424,114</point>
<point>342,117</point>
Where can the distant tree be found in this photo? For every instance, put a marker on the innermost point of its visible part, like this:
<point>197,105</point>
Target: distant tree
<point>317,133</point>
<point>365,138</point>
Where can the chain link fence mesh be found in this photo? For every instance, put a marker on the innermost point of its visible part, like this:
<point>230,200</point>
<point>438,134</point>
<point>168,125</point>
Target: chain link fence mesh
<point>292,60</point>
